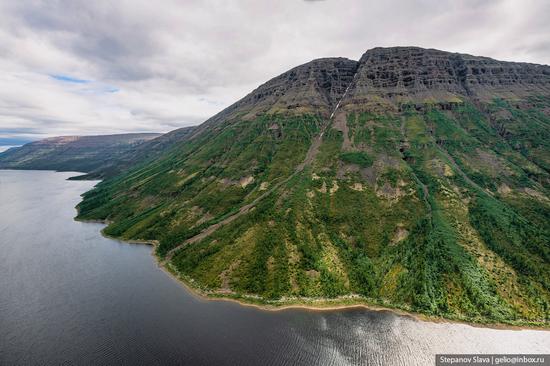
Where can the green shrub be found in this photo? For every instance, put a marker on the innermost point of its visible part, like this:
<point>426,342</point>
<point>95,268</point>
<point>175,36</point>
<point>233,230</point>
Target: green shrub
<point>360,158</point>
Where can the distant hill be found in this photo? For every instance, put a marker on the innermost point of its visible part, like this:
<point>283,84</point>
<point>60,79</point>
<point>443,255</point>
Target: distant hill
<point>140,153</point>
<point>412,178</point>
<point>73,153</point>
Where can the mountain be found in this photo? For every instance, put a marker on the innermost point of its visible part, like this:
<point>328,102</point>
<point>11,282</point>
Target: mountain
<point>140,153</point>
<point>74,153</point>
<point>412,178</point>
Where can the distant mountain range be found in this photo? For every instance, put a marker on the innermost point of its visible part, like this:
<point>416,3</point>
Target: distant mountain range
<point>412,178</point>
<point>99,156</point>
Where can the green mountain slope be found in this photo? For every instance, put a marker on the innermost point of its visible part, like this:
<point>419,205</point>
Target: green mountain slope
<point>413,178</point>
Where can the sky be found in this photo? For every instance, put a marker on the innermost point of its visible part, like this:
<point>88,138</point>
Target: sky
<point>98,67</point>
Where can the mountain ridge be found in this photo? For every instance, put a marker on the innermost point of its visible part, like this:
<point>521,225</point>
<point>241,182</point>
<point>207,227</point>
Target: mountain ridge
<point>99,156</point>
<point>353,66</point>
<point>424,187</point>
<point>66,153</point>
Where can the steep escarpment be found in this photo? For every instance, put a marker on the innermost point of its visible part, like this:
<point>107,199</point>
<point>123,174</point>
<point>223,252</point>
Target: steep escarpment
<point>317,85</point>
<point>412,178</point>
<point>311,88</point>
<point>416,75</point>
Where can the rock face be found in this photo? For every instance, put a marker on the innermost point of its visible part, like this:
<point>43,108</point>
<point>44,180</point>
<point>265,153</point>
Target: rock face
<point>319,84</point>
<point>420,75</point>
<point>314,87</point>
<point>389,77</point>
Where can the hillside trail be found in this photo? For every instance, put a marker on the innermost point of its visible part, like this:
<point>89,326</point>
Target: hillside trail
<point>309,158</point>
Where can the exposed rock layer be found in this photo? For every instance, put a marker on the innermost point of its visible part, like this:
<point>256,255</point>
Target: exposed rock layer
<point>390,76</point>
<point>412,72</point>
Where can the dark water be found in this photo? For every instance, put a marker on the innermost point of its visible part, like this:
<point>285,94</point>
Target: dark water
<point>70,296</point>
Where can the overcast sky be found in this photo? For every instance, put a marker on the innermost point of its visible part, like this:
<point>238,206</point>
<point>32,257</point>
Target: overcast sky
<point>97,67</point>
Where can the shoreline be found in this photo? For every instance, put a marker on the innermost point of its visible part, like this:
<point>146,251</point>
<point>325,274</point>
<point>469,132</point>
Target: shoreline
<point>315,305</point>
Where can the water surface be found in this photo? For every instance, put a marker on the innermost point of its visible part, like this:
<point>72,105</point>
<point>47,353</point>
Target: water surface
<point>70,296</point>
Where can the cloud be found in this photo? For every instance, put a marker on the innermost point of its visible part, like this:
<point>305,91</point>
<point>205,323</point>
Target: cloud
<point>90,67</point>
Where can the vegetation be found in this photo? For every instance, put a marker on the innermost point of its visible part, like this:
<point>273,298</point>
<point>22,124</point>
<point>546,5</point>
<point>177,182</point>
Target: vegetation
<point>435,211</point>
<point>359,158</point>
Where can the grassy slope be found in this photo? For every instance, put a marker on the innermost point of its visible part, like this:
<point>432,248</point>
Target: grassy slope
<point>440,212</point>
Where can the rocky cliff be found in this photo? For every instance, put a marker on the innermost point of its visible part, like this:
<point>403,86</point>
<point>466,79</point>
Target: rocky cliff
<point>416,75</point>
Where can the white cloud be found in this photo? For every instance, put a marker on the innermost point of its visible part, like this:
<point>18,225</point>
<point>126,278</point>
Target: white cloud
<point>176,63</point>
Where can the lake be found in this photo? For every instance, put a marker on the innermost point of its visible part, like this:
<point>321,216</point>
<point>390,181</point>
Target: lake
<point>70,296</point>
